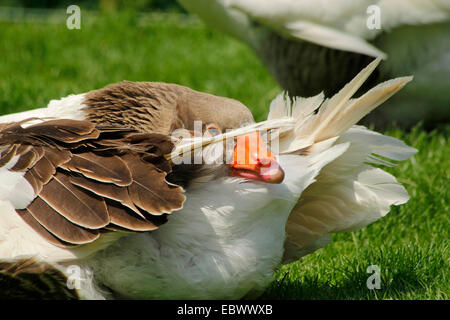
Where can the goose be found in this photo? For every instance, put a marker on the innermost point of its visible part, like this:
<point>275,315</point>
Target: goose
<point>310,46</point>
<point>97,189</point>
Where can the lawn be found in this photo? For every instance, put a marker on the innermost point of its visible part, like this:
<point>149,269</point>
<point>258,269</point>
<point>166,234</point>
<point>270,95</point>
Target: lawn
<point>44,61</point>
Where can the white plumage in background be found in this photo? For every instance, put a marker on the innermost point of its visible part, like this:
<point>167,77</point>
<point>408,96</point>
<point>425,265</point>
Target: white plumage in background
<point>232,233</point>
<point>311,46</point>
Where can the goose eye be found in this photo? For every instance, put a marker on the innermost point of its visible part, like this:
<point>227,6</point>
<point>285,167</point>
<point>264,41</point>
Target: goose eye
<point>213,130</point>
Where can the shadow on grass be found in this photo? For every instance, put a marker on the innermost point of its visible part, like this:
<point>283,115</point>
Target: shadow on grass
<point>408,272</point>
<point>352,288</point>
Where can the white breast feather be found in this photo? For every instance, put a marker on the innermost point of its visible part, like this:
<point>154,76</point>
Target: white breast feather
<point>227,240</point>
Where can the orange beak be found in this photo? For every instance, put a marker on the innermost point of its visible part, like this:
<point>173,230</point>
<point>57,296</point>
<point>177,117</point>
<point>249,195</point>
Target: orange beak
<point>253,161</point>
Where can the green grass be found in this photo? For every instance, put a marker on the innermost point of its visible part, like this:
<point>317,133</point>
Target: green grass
<point>41,62</point>
<point>47,61</point>
<point>410,245</point>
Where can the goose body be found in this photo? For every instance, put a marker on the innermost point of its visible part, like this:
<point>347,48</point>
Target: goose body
<point>215,233</point>
<point>315,46</point>
<point>225,243</point>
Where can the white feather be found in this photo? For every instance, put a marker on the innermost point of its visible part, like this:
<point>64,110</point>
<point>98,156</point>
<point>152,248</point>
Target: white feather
<point>348,194</point>
<point>70,107</point>
<point>18,240</point>
<point>225,242</point>
<point>186,146</point>
<point>335,115</point>
<point>14,187</point>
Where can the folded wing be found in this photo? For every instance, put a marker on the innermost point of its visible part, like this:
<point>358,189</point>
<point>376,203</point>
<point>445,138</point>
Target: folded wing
<point>72,181</point>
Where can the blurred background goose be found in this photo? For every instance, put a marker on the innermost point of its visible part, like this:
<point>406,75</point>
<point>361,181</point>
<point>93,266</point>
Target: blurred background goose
<point>311,46</point>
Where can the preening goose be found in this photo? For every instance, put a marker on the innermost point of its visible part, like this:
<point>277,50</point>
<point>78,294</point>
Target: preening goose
<point>101,191</point>
<point>312,46</point>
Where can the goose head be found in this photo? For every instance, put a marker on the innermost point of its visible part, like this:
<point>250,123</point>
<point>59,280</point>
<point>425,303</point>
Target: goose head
<point>166,108</point>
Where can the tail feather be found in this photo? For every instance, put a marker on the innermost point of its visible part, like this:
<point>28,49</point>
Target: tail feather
<point>348,193</point>
<point>356,109</point>
<point>335,115</point>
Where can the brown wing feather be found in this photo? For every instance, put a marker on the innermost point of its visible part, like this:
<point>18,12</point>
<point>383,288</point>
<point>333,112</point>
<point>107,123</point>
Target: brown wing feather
<point>58,156</point>
<point>7,155</point>
<point>128,219</point>
<point>100,168</point>
<point>90,178</point>
<point>64,130</point>
<point>106,190</point>
<point>44,170</point>
<point>23,149</point>
<point>76,205</point>
<point>26,160</point>
<point>34,181</point>
<point>58,225</point>
<point>149,189</point>
<point>39,229</point>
